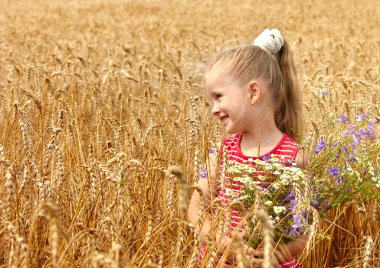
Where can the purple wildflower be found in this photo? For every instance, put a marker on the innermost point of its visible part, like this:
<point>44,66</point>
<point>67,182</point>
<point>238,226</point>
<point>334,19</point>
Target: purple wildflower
<point>339,181</point>
<point>296,228</point>
<point>371,126</point>
<point>290,195</point>
<point>324,93</point>
<point>343,119</point>
<point>203,172</point>
<point>363,132</point>
<point>334,171</point>
<point>326,207</point>
<point>266,157</point>
<point>361,117</point>
<point>344,148</point>
<point>356,141</point>
<point>320,146</point>
<point>350,131</point>
<point>297,221</point>
<point>318,201</point>
<point>292,204</point>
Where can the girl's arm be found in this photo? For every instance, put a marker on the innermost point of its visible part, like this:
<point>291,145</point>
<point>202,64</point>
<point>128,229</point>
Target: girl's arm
<point>204,184</point>
<point>194,206</point>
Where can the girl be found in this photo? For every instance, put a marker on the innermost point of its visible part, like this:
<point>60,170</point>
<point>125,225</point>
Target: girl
<point>255,95</point>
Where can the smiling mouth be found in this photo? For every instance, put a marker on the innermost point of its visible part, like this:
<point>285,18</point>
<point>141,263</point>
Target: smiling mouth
<point>223,118</point>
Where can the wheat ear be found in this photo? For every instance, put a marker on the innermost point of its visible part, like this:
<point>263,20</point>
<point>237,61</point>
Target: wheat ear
<point>268,238</point>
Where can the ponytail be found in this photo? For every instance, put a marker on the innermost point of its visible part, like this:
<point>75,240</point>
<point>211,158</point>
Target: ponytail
<point>288,116</point>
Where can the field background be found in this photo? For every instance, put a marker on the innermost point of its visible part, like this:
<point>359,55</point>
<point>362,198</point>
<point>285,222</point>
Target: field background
<point>99,98</point>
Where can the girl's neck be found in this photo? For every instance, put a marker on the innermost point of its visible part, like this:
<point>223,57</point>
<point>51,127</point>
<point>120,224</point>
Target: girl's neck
<point>260,141</point>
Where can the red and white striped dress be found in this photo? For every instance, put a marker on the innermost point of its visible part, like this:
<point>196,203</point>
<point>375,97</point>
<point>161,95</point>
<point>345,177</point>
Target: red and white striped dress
<point>286,150</point>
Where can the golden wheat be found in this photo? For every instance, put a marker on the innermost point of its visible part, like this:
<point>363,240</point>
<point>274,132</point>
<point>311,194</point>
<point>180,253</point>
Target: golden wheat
<point>98,99</point>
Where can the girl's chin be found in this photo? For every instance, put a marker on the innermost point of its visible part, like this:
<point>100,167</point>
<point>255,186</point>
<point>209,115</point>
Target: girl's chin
<point>231,131</point>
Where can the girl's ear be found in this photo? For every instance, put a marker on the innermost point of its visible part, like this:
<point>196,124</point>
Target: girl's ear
<point>254,91</point>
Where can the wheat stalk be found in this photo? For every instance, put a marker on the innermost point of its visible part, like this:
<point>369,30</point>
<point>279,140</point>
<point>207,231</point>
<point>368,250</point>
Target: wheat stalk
<point>182,194</point>
<point>268,238</point>
<point>195,247</point>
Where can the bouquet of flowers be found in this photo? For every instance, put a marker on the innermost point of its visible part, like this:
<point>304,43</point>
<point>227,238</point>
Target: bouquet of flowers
<point>345,165</point>
<point>282,190</point>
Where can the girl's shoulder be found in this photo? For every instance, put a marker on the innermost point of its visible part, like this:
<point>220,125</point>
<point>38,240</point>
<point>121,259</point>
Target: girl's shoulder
<point>288,148</point>
<point>289,141</point>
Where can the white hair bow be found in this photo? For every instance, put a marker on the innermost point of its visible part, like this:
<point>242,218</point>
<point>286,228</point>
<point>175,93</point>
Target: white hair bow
<point>270,40</point>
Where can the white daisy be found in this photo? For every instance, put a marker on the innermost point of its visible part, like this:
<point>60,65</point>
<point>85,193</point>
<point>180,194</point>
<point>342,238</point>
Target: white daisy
<point>278,209</point>
<point>277,185</point>
<point>268,203</point>
<point>243,197</point>
<point>243,180</point>
<point>229,191</point>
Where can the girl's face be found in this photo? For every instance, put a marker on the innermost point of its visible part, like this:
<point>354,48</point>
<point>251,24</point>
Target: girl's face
<point>230,100</point>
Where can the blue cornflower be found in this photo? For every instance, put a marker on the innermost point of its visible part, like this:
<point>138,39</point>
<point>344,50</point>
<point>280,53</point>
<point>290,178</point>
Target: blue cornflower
<point>334,171</point>
<point>320,146</point>
<point>343,119</point>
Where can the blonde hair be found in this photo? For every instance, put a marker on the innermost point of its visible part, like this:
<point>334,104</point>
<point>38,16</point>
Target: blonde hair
<point>247,62</point>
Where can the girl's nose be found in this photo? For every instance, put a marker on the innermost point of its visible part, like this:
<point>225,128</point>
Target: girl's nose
<point>215,109</point>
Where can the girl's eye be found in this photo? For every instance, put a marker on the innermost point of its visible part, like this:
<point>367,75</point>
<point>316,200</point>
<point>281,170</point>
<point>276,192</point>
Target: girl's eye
<point>218,96</point>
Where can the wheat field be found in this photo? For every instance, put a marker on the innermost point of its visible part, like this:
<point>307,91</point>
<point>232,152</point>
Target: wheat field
<point>101,100</point>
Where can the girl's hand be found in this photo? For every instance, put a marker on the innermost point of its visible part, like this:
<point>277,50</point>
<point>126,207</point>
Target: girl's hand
<point>282,254</point>
<point>254,258</point>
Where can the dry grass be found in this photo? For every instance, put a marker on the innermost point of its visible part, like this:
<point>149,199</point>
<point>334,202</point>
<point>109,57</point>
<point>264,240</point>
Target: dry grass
<point>99,98</point>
